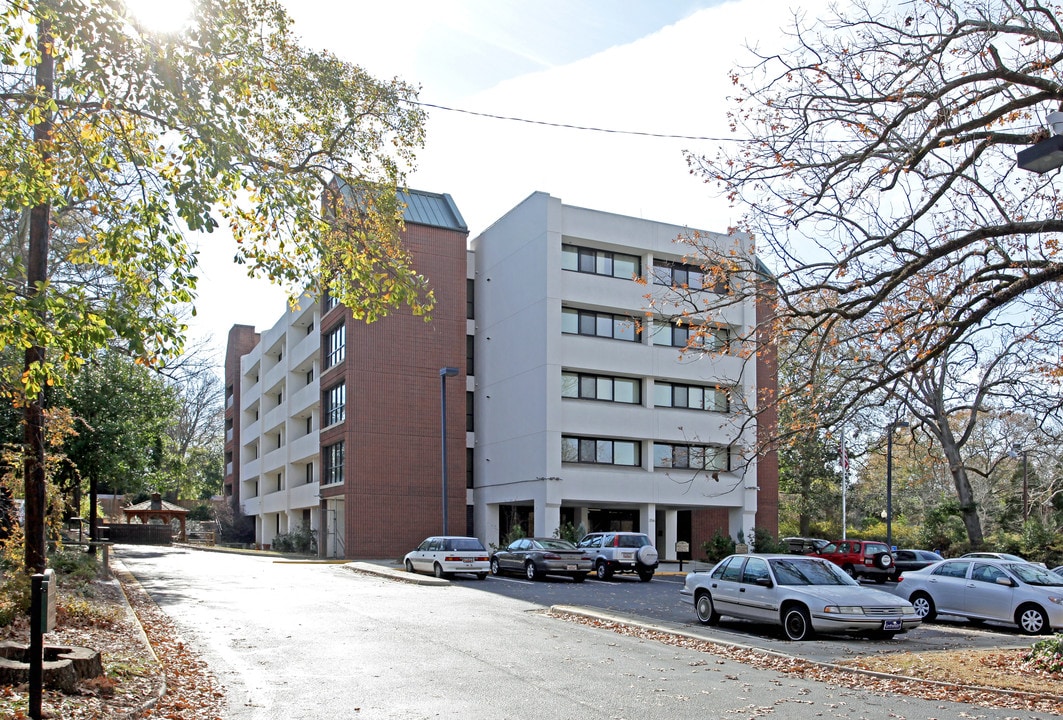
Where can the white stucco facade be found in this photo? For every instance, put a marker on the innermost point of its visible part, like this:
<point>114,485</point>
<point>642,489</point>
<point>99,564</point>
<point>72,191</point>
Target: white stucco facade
<point>523,299</point>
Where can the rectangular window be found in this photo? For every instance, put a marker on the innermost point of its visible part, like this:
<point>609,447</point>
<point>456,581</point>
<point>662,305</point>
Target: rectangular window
<point>310,425</point>
<point>335,345</point>
<point>470,299</point>
<point>682,276</point>
<point>332,464</point>
<point>334,404</point>
<point>309,376</point>
<point>694,457</point>
<point>714,399</point>
<point>601,387</point>
<point>713,339</point>
<point>309,473</point>
<point>468,412</point>
<point>600,262</point>
<point>470,365</point>
<point>600,451</point>
<point>329,302</point>
<point>468,469</point>
<point>598,324</point>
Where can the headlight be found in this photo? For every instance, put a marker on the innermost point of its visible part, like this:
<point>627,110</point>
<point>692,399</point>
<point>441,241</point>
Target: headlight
<point>1056,600</point>
<point>844,610</point>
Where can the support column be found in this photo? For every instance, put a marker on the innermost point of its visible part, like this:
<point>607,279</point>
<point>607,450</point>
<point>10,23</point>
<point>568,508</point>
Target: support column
<point>671,534</point>
<point>648,521</point>
<point>547,518</point>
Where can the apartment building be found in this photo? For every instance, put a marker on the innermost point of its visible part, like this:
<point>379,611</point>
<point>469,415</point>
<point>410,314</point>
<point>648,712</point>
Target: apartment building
<point>581,409</point>
<point>587,411</point>
<point>335,424</point>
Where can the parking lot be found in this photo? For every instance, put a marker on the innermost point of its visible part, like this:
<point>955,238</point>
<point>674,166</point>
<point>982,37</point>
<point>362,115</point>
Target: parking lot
<point>657,602</point>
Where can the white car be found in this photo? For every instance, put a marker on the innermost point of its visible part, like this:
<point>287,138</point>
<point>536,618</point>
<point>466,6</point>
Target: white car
<point>802,593</point>
<point>981,589</point>
<point>444,555</point>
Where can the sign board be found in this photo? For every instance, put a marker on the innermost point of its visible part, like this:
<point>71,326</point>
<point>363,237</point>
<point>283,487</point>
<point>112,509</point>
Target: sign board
<point>682,547</point>
<point>741,549</point>
<point>49,594</point>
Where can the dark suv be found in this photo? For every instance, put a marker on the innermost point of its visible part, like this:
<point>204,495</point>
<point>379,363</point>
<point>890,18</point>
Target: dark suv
<point>625,552</point>
<point>861,558</point>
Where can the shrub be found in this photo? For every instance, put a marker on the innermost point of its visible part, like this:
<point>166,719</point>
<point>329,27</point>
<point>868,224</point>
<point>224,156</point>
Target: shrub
<point>1046,655</point>
<point>570,532</point>
<point>303,540</point>
<point>765,542</point>
<point>719,547</point>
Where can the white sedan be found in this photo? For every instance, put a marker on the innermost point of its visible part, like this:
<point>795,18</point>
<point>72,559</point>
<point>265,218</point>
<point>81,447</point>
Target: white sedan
<point>983,589</point>
<point>444,555</point>
<point>801,593</point>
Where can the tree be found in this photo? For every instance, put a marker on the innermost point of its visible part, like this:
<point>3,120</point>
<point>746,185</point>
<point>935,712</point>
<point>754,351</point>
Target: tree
<point>123,140</point>
<point>194,450</point>
<point>121,412</point>
<point>877,174</point>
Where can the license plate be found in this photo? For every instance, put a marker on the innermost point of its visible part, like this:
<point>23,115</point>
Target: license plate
<point>891,625</point>
<point>467,561</point>
<point>570,567</point>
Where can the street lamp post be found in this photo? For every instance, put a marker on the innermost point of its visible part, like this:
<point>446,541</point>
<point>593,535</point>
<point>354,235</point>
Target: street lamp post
<point>1018,451</point>
<point>444,373</point>
<point>889,479</point>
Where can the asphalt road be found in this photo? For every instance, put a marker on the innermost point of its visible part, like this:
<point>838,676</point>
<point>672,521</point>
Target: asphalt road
<point>658,602</point>
<point>293,641</point>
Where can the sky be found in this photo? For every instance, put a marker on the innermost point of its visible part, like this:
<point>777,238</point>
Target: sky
<point>641,66</point>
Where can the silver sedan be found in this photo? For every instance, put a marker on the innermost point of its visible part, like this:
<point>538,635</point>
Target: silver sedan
<point>803,594</point>
<point>983,589</point>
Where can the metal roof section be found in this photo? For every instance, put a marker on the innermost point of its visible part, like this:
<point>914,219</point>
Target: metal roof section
<point>434,209</point>
<point>420,208</point>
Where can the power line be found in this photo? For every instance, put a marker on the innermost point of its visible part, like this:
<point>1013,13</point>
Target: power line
<point>571,127</point>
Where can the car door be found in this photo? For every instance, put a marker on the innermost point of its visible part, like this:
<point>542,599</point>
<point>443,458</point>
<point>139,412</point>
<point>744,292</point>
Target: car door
<point>987,598</point>
<point>593,545</point>
<point>757,600</point>
<point>422,558</point>
<point>947,586</point>
<point>518,551</point>
<point>724,585</point>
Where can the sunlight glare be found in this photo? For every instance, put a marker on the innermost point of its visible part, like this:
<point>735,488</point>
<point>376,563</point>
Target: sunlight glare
<point>162,16</point>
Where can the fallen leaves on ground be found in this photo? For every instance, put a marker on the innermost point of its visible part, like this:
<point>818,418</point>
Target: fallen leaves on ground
<point>985,678</point>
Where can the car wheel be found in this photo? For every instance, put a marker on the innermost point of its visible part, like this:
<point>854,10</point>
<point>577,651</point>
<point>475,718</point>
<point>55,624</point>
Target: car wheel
<point>645,575</point>
<point>438,571</point>
<point>579,577</point>
<point>602,571</point>
<point>883,561</point>
<point>409,567</point>
<point>924,606</point>
<point>796,623</point>
<point>706,611</point>
<point>1031,619</point>
<point>495,568</point>
<point>530,571</point>
<point>481,576</point>
<point>851,572</point>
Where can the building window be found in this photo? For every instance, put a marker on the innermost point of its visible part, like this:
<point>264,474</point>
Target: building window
<point>334,401</point>
<point>601,387</point>
<point>468,468</point>
<point>607,325</point>
<point>310,425</point>
<point>310,376</point>
<point>709,338</point>
<point>687,277</point>
<point>329,302</point>
<point>310,327</point>
<point>469,421</point>
<point>694,457</point>
<point>332,464</point>
<point>470,299</point>
<point>309,473</point>
<point>600,262</point>
<point>335,345</point>
<point>601,451</point>
<point>674,395</point>
<point>470,367</point>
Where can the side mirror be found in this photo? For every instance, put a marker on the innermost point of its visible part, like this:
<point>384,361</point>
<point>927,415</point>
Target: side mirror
<point>1005,581</point>
<point>764,582</point>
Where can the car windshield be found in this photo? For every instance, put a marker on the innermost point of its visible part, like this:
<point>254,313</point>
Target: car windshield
<point>464,544</point>
<point>809,572</point>
<point>829,548</point>
<point>632,541</point>
<point>1034,574</point>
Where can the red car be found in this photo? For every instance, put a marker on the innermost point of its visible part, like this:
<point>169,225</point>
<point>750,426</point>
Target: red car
<point>861,558</point>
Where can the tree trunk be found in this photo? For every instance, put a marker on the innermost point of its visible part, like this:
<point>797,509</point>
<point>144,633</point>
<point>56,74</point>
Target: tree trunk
<point>964,493</point>
<point>34,474</point>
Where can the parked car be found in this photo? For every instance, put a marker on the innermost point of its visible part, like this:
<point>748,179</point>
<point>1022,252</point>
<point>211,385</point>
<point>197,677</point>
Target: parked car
<point>995,556</point>
<point>908,560</point>
<point>1058,570</point>
<point>983,589</point>
<point>623,552</point>
<point>861,558</point>
<point>802,593</point>
<point>805,545</point>
<point>536,557</point>
<point>444,555</point>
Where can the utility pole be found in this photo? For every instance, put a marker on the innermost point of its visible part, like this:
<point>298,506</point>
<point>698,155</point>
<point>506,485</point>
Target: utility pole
<point>36,275</point>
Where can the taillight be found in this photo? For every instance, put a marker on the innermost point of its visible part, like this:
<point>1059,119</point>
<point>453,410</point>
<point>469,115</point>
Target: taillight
<point>551,556</point>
